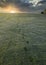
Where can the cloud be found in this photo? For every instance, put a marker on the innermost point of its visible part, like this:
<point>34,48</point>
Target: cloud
<point>34,2</point>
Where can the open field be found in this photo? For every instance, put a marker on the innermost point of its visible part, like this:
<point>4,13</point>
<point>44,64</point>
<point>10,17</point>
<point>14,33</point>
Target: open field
<point>22,39</point>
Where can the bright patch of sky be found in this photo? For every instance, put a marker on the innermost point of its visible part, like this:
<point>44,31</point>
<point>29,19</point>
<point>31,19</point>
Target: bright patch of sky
<point>34,2</point>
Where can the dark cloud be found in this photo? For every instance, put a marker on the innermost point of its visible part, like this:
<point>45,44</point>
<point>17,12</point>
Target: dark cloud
<point>43,1</point>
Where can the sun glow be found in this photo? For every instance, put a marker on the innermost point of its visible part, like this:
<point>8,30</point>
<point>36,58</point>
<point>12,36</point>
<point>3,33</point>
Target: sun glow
<point>10,9</point>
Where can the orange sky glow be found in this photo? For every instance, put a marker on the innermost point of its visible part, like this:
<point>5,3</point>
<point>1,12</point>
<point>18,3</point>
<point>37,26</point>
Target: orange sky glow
<point>10,9</point>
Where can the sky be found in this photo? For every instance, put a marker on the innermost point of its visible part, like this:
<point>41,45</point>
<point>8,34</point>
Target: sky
<point>23,5</point>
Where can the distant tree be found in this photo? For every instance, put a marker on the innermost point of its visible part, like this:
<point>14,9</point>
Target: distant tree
<point>42,12</point>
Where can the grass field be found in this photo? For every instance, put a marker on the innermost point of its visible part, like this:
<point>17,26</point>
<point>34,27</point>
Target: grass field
<point>22,39</point>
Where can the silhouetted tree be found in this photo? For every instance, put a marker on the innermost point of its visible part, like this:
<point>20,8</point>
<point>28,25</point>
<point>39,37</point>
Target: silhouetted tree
<point>42,12</point>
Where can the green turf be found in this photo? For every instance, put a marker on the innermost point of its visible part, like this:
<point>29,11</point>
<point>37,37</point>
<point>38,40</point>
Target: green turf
<point>22,39</point>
